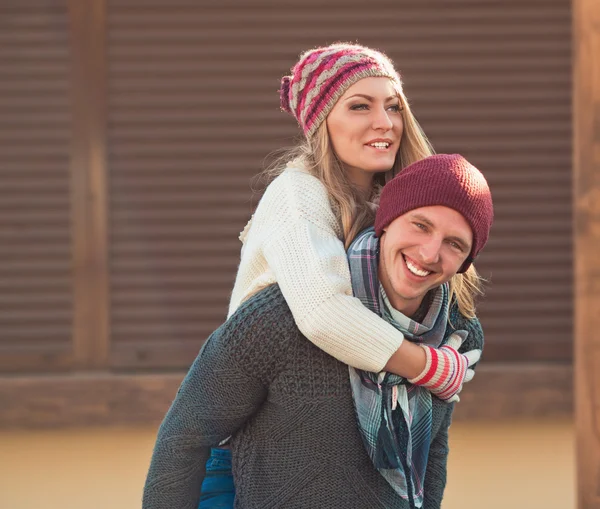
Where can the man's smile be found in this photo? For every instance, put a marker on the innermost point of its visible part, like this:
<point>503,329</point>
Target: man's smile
<point>414,268</point>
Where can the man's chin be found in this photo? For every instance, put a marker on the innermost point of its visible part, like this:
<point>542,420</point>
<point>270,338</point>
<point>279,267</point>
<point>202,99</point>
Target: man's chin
<point>408,297</point>
<point>411,292</point>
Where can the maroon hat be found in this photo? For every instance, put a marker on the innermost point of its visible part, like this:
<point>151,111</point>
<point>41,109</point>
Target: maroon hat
<point>443,179</point>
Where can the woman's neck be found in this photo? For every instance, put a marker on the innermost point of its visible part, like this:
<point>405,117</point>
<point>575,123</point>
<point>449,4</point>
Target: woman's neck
<point>362,180</point>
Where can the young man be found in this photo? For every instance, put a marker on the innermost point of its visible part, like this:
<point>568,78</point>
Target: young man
<point>310,432</point>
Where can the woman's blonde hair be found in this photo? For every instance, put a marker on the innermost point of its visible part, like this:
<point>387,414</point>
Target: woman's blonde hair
<point>352,208</point>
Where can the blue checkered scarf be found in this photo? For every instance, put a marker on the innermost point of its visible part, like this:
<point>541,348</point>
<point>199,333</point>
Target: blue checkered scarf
<point>394,416</point>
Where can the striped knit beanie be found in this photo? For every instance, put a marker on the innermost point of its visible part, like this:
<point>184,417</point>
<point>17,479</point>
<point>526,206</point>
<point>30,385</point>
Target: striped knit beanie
<point>321,77</point>
<point>442,179</point>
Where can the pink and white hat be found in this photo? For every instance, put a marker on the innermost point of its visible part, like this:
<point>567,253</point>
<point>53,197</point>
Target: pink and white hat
<point>321,77</point>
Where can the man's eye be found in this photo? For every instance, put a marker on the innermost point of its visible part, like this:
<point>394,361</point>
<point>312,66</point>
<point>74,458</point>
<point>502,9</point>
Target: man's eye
<point>456,245</point>
<point>421,226</point>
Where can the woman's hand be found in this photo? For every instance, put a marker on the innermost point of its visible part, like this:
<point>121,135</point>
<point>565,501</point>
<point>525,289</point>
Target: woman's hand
<point>446,370</point>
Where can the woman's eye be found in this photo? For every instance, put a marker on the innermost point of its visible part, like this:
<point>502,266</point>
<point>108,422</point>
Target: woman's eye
<point>395,108</point>
<point>356,107</point>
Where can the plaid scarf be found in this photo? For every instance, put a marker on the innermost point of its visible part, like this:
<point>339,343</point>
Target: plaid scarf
<point>394,416</point>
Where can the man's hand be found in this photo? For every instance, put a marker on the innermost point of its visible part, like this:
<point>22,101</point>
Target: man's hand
<point>446,369</point>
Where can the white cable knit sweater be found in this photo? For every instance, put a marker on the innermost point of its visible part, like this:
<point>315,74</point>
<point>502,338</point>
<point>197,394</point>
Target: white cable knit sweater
<point>294,239</point>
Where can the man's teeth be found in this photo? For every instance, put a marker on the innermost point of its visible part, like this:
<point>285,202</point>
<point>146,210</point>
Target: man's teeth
<point>415,270</point>
<point>380,144</point>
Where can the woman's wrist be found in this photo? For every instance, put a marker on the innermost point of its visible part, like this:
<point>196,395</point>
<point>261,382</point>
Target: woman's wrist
<point>409,361</point>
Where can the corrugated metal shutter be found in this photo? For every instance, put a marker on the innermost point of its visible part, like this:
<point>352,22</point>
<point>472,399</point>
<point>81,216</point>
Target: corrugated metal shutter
<point>495,85</point>
<point>35,258</point>
<point>194,111</point>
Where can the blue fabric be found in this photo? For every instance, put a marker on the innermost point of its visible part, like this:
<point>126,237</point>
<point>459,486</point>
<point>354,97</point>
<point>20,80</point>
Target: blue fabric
<point>218,491</point>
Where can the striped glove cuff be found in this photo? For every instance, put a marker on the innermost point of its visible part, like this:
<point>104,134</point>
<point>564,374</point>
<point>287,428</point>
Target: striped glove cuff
<point>444,372</point>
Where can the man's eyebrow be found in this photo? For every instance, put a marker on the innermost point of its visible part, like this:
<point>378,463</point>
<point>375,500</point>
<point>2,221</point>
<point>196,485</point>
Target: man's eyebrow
<point>421,218</point>
<point>370,98</point>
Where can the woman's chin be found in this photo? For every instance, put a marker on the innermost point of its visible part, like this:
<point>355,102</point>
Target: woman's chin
<point>379,166</point>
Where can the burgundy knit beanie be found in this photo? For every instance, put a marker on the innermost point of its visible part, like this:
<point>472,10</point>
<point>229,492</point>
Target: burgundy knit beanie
<point>443,179</point>
<point>321,77</point>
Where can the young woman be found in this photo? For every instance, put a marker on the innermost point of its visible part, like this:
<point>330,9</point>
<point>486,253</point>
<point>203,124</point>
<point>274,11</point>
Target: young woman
<point>359,132</point>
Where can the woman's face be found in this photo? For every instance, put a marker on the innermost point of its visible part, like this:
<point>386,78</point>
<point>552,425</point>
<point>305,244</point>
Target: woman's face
<point>365,127</point>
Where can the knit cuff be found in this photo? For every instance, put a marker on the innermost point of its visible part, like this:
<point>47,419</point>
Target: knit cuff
<point>456,375</point>
<point>426,370</point>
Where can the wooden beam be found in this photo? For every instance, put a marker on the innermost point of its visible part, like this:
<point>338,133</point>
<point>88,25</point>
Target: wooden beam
<point>501,391</point>
<point>586,167</point>
<point>88,183</point>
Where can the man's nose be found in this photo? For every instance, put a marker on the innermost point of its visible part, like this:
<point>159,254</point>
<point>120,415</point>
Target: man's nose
<point>430,251</point>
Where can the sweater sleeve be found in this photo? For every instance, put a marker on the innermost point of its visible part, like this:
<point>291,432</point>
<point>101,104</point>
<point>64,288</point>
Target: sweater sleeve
<point>435,475</point>
<point>308,260</point>
<point>226,384</point>
<point>475,337</point>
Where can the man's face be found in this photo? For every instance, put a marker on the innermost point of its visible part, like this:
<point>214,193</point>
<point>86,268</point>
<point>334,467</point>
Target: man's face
<point>421,250</point>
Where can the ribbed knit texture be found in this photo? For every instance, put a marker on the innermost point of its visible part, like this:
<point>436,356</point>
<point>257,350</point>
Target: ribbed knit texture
<point>442,179</point>
<point>288,407</point>
<point>294,239</point>
<point>321,77</point>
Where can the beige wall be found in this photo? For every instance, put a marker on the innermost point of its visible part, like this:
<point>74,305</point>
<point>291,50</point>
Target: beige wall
<point>492,466</point>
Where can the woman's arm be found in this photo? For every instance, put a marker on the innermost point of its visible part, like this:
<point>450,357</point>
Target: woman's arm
<point>410,355</point>
<point>299,237</point>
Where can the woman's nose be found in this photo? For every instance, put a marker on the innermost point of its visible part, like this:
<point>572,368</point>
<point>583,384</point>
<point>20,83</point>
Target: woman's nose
<point>382,121</point>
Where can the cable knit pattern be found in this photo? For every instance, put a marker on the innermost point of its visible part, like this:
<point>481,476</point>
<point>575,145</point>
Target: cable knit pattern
<point>288,407</point>
<point>294,239</point>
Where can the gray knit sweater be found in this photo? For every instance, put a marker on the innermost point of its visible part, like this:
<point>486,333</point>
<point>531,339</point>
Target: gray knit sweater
<point>288,406</point>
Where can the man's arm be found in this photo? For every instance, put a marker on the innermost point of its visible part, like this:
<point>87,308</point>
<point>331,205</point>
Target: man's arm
<point>475,337</point>
<point>216,397</point>
<point>435,475</point>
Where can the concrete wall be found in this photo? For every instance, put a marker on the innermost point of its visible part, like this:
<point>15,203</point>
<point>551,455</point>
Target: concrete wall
<point>492,466</point>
